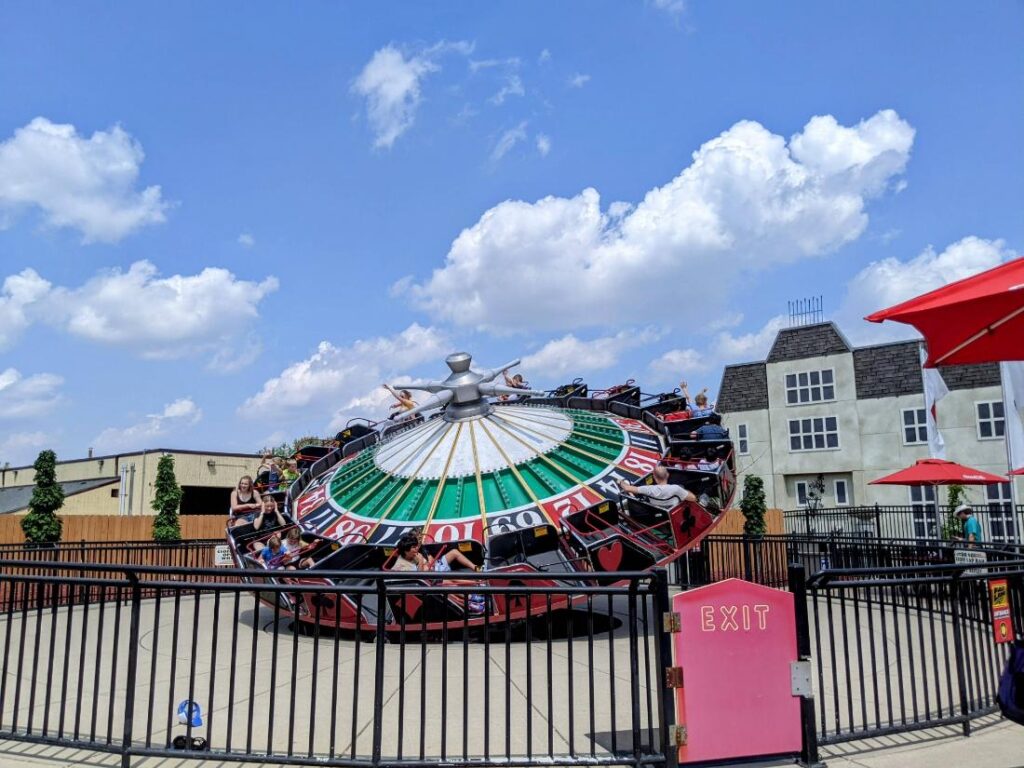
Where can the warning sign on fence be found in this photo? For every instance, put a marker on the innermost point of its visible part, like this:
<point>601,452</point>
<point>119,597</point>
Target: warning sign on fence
<point>222,557</point>
<point>1002,621</point>
<point>970,557</point>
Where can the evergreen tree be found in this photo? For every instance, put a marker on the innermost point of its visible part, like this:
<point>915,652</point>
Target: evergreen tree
<point>166,500</point>
<point>753,506</point>
<point>41,525</point>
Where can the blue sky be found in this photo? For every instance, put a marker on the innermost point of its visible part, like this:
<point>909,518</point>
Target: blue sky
<point>318,197</point>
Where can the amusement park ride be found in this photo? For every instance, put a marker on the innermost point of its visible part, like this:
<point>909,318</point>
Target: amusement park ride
<point>518,481</point>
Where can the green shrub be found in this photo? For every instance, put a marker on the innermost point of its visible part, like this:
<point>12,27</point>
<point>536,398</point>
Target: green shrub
<point>166,500</point>
<point>753,506</point>
<point>41,525</point>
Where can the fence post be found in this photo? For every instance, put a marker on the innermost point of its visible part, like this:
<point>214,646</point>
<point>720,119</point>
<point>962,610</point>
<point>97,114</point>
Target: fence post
<point>808,728</point>
<point>748,556</point>
<point>878,522</point>
<point>132,672</point>
<point>958,649</point>
<point>663,659</point>
<point>378,672</point>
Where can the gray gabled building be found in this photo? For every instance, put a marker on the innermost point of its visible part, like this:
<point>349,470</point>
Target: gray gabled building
<point>818,405</point>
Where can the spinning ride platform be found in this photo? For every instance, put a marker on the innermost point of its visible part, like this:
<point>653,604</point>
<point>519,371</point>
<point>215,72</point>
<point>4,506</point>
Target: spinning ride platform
<point>524,485</point>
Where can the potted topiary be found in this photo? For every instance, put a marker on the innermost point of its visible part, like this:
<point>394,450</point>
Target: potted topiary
<point>41,525</point>
<point>753,507</point>
<point>166,500</point>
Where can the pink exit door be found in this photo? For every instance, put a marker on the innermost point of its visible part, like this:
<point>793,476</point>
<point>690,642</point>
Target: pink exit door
<point>736,643</point>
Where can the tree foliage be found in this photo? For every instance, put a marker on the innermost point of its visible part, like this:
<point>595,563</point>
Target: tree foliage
<point>41,525</point>
<point>289,449</point>
<point>753,506</point>
<point>951,525</point>
<point>166,501</point>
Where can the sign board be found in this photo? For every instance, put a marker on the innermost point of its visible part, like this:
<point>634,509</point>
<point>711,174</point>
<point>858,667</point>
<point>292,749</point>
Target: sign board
<point>222,557</point>
<point>736,647</point>
<point>963,556</point>
<point>1002,621</point>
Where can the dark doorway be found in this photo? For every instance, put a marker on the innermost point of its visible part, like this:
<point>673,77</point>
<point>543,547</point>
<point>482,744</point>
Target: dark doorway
<point>200,500</point>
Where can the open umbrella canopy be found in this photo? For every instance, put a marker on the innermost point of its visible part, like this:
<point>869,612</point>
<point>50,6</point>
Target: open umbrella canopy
<point>1019,471</point>
<point>979,319</point>
<point>938,472</point>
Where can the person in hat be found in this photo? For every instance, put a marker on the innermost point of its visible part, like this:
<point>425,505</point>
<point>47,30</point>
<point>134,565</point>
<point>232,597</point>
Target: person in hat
<point>972,528</point>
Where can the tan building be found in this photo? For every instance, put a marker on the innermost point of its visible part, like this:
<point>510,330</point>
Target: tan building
<point>122,484</point>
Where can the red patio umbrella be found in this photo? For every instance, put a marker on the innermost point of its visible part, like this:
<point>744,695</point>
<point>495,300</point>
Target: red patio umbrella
<point>979,319</point>
<point>1016,471</point>
<point>938,472</point>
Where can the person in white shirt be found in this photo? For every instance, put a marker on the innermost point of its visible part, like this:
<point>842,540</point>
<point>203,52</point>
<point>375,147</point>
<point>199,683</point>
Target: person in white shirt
<point>662,493</point>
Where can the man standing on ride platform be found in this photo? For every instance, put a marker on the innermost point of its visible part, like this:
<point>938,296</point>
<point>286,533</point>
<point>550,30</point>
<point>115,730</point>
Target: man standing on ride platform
<point>972,528</point>
<point>662,494</point>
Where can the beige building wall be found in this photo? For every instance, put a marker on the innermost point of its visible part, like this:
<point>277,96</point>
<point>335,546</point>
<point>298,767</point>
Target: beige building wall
<point>137,473</point>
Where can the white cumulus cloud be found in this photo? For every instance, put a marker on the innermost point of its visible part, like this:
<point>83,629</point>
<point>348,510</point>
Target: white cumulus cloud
<point>890,281</point>
<point>246,240</point>
<point>748,200</point>
<point>578,80</point>
<point>570,355</point>
<point>24,397</point>
<point>391,84</point>
<point>543,144</point>
<point>19,295</point>
<point>335,380</point>
<point>21,448</point>
<point>157,317</point>
<point>83,183</point>
<point>174,419</point>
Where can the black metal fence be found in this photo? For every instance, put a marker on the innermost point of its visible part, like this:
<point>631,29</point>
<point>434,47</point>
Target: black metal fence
<point>1000,522</point>
<point>96,666</point>
<point>765,560</point>
<point>906,648</point>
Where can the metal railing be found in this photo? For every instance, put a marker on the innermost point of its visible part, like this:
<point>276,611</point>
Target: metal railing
<point>1000,522</point>
<point>906,648</point>
<point>88,663</point>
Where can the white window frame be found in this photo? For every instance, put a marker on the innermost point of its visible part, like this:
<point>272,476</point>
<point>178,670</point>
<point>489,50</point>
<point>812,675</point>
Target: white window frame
<point>1002,517</point>
<point>742,440</point>
<point>825,433</point>
<point>925,523</point>
<point>846,490</point>
<point>809,387</point>
<point>798,486</point>
<point>992,419</point>
<point>917,426</point>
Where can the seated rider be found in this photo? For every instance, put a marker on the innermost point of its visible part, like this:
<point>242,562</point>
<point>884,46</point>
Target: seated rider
<point>410,558</point>
<point>245,502</point>
<point>404,398</point>
<point>293,544</point>
<point>699,405</point>
<point>269,514</point>
<point>290,472</point>
<point>713,430</point>
<point>274,553</point>
<point>516,382</point>
<point>662,494</point>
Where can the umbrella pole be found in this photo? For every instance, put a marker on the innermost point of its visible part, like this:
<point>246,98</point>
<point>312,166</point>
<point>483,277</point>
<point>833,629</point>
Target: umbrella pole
<point>1008,406</point>
<point>938,512</point>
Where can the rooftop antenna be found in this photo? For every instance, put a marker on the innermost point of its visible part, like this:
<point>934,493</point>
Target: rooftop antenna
<point>805,311</point>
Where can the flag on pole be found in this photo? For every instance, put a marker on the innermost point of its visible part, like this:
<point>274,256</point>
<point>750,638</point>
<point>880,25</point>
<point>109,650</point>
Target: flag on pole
<point>1013,411</point>
<point>934,390</point>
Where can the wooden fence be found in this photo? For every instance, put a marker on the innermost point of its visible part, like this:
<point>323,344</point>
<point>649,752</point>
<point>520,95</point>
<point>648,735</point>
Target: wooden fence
<point>117,528</point>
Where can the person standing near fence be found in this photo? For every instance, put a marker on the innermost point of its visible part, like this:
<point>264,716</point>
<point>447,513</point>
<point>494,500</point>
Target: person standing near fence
<point>972,528</point>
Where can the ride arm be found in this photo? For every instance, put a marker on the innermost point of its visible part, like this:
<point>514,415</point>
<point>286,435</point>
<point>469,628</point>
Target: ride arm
<point>490,389</point>
<point>435,401</point>
<point>425,386</point>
